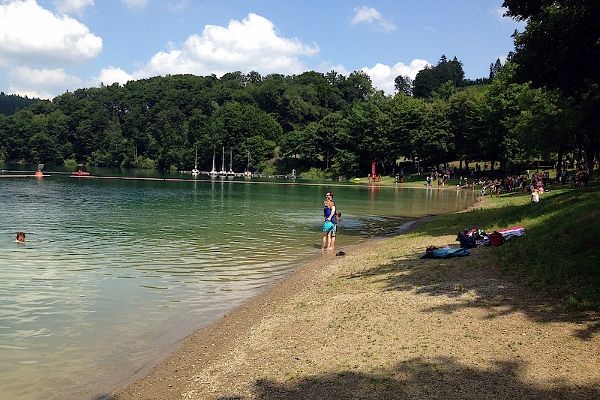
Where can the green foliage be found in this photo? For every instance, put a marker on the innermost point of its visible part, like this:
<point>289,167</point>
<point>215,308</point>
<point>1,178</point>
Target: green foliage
<point>11,103</point>
<point>345,163</point>
<point>558,32</point>
<point>266,168</point>
<point>404,85</point>
<point>430,79</point>
<point>70,163</point>
<point>433,141</point>
<point>314,174</point>
<point>311,120</point>
<point>100,158</point>
<point>145,163</point>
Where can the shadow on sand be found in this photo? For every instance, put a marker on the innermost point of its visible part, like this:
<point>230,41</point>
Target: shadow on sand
<point>499,294</point>
<point>495,293</point>
<point>440,378</point>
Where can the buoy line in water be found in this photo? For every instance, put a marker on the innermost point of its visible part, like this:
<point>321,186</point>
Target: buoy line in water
<point>19,174</point>
<point>220,180</point>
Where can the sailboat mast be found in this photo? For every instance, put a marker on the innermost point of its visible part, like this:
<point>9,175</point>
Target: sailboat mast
<point>230,160</point>
<point>213,168</point>
<point>223,160</point>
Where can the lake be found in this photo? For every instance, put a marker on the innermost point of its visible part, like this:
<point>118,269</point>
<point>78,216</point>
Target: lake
<point>115,272</point>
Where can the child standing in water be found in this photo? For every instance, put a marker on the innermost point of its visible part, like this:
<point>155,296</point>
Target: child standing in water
<point>337,217</point>
<point>20,237</point>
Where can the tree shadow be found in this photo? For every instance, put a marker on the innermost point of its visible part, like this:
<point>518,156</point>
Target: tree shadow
<point>522,290</point>
<point>493,292</point>
<point>439,378</point>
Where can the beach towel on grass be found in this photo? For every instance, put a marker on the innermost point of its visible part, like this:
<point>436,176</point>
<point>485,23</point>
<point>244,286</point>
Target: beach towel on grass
<point>446,252</point>
<point>507,233</point>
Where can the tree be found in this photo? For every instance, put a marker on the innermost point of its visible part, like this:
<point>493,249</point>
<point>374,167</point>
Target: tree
<point>428,80</point>
<point>303,143</point>
<point>558,32</point>
<point>495,68</point>
<point>545,124</point>
<point>403,84</point>
<point>326,132</point>
<point>357,86</point>
<point>433,141</point>
<point>9,104</point>
<point>467,122</point>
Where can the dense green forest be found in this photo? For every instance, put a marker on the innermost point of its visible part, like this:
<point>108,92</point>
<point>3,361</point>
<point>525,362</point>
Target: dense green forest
<point>10,103</point>
<point>535,106</point>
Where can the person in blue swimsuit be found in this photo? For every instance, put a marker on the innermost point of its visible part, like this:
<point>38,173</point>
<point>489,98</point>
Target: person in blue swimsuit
<point>329,224</point>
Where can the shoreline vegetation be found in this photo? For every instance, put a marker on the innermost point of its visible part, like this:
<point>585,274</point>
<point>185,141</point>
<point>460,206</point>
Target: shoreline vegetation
<point>516,321</point>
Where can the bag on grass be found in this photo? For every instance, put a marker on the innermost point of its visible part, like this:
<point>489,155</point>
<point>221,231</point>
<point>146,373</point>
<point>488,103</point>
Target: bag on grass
<point>496,239</point>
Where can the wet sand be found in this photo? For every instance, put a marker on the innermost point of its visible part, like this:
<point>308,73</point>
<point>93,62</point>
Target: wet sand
<point>380,323</point>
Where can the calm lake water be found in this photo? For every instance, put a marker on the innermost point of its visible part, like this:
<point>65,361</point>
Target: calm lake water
<point>115,272</point>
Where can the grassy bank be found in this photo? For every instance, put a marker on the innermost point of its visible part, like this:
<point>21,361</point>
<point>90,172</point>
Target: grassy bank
<point>560,252</point>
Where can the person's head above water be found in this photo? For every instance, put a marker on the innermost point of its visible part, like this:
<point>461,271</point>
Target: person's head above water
<point>20,237</point>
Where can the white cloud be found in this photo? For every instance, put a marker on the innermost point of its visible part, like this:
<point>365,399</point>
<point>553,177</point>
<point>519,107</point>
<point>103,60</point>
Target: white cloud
<point>111,75</point>
<point>135,3</point>
<point>383,75</point>
<point>72,6</point>
<point>47,82</point>
<point>328,67</point>
<point>32,35</point>
<point>248,45</point>
<point>370,15</point>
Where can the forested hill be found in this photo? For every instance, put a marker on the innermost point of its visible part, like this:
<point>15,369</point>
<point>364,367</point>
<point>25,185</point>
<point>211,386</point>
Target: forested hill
<point>336,123</point>
<point>9,104</point>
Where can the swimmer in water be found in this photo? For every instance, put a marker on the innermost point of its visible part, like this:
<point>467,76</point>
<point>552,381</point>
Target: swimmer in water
<point>20,237</point>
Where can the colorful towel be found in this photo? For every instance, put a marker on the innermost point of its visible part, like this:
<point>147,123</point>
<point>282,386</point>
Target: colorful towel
<point>513,231</point>
<point>446,252</point>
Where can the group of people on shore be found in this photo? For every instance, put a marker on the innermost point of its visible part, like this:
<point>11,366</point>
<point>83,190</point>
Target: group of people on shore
<point>332,218</point>
<point>441,176</point>
<point>374,178</point>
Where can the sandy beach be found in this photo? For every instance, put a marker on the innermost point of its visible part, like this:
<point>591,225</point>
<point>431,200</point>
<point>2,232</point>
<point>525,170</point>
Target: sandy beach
<point>381,323</point>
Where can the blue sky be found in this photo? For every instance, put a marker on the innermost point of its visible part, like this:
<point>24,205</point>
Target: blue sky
<point>50,46</point>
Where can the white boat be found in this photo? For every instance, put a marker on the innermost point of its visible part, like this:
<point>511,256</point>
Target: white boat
<point>230,172</point>
<point>213,171</point>
<point>247,173</point>
<point>196,171</point>
<point>222,172</point>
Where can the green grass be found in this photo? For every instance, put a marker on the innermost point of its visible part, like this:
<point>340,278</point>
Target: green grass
<point>561,250</point>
